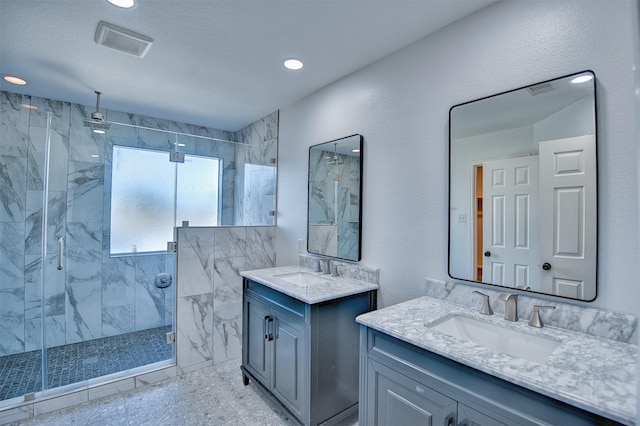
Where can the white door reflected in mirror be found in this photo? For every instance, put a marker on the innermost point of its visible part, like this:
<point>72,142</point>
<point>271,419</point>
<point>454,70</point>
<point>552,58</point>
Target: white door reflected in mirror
<point>523,189</point>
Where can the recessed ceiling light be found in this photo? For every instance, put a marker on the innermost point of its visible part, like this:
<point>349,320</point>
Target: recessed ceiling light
<point>99,131</point>
<point>125,4</point>
<point>356,150</point>
<point>28,106</point>
<point>582,78</point>
<point>293,64</point>
<point>14,80</point>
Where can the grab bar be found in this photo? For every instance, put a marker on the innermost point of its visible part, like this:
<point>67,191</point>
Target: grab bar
<point>60,252</point>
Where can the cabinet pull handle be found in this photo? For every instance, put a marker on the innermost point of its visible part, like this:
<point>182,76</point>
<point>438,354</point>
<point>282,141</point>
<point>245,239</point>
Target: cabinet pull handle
<point>267,320</point>
<point>450,420</point>
<point>268,327</point>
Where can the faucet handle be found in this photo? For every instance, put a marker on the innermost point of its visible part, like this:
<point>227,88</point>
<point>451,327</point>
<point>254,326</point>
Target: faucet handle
<point>486,307</point>
<point>335,272</point>
<point>536,321</point>
<point>316,267</point>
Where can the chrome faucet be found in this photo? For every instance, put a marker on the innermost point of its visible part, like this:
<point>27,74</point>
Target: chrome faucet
<point>535,317</point>
<point>510,305</point>
<point>323,265</point>
<point>486,307</point>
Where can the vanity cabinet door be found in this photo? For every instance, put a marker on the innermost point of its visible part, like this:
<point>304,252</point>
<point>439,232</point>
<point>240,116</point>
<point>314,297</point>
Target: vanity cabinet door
<point>258,353</point>
<point>288,360</point>
<point>395,399</point>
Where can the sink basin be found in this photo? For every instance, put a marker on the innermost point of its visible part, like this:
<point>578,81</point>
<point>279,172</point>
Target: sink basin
<point>502,339</point>
<point>304,278</point>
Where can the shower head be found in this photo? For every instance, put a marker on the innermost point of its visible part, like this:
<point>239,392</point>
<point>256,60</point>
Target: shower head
<point>96,122</point>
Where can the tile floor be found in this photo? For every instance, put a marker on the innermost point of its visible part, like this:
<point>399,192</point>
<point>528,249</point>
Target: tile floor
<point>210,396</point>
<point>20,374</point>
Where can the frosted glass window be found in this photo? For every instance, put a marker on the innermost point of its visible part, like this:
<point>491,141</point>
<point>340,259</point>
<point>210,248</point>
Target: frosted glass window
<point>197,194</point>
<point>144,202</point>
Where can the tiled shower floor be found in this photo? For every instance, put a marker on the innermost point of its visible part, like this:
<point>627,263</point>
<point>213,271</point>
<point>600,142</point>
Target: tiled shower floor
<point>20,374</point>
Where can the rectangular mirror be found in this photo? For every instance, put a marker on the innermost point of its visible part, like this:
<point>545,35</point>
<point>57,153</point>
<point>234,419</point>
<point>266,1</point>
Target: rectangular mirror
<point>335,199</point>
<point>523,188</point>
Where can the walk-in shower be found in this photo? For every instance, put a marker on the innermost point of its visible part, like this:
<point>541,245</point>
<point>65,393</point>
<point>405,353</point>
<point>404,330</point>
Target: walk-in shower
<point>70,312</point>
<point>83,298</point>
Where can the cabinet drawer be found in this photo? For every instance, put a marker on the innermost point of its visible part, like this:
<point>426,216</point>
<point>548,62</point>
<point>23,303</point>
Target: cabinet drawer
<point>274,297</point>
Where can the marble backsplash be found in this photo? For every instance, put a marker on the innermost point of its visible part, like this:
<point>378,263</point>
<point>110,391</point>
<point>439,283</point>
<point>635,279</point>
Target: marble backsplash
<point>348,269</point>
<point>596,322</point>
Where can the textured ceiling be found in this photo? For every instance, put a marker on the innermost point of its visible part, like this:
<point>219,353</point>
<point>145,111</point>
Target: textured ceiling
<point>212,63</point>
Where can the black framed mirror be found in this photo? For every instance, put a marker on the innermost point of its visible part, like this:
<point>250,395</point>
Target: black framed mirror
<point>334,219</point>
<point>523,188</point>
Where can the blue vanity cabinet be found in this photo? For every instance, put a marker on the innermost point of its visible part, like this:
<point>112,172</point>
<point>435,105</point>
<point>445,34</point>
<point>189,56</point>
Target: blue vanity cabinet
<point>276,349</point>
<point>304,355</point>
<point>401,384</point>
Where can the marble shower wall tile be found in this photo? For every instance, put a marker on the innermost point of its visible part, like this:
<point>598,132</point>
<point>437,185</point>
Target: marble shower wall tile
<point>262,137</point>
<point>15,123</point>
<point>83,319</point>
<point>230,242</point>
<point>194,330</point>
<point>234,249</point>
<point>85,192</point>
<point>13,188</point>
<point>260,247</point>
<point>12,319</point>
<point>60,113</point>
<point>195,261</point>
<point>610,325</point>
<point>58,159</point>
<point>255,172</point>
<point>12,256</point>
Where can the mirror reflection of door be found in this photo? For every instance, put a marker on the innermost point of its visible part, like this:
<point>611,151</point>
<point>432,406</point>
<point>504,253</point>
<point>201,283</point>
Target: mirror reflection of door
<point>492,211</point>
<point>510,221</point>
<point>568,229</point>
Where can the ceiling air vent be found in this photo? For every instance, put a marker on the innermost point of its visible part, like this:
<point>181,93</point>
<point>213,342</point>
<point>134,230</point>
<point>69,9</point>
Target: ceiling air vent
<point>122,39</point>
<point>538,89</point>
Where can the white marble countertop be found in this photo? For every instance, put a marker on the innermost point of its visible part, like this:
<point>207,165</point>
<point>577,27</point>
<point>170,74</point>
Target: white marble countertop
<point>328,288</point>
<point>593,373</point>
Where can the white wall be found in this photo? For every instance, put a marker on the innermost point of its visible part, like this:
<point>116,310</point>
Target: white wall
<point>401,104</point>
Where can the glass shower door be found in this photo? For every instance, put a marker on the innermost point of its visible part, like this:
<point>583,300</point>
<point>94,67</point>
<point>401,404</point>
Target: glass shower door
<point>30,281</point>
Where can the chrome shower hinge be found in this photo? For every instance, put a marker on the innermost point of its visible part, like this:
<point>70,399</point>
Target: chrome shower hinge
<point>171,338</point>
<point>176,157</point>
<point>172,246</point>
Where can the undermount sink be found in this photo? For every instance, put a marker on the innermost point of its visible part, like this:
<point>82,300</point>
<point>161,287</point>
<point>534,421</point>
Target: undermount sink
<point>502,339</point>
<point>304,278</point>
